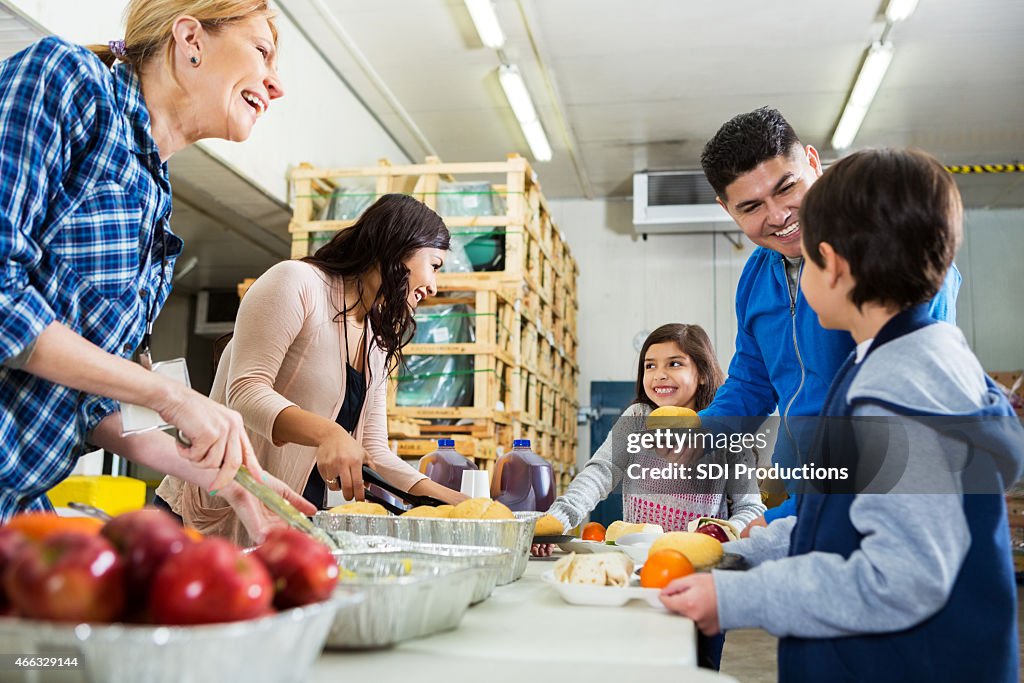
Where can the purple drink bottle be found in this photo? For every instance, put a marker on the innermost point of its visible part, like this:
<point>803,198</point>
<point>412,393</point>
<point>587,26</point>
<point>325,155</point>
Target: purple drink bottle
<point>445,466</point>
<point>523,480</point>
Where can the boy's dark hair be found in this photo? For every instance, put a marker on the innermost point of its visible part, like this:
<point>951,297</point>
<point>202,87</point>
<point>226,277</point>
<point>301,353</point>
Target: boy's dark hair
<point>894,215</point>
<point>696,344</point>
<point>744,142</point>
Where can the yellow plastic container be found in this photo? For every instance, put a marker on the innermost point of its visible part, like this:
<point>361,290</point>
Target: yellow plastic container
<point>113,495</point>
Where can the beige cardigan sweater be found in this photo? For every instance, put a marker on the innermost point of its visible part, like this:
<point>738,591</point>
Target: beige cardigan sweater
<point>288,350</point>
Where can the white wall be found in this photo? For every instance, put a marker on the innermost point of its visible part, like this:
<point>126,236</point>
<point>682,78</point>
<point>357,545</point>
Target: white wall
<point>318,120</point>
<point>629,286</point>
<point>990,308</point>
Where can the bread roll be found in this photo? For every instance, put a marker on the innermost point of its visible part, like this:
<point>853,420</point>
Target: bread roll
<point>548,526</point>
<point>672,417</point>
<point>359,507</point>
<point>700,549</point>
<point>620,528</point>
<point>481,508</point>
<point>441,511</point>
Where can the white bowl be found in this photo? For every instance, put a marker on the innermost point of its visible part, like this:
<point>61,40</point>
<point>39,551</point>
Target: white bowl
<point>602,596</point>
<point>637,545</point>
<point>280,648</point>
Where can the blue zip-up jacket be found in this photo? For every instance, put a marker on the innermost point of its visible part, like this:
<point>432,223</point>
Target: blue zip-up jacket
<point>785,359</point>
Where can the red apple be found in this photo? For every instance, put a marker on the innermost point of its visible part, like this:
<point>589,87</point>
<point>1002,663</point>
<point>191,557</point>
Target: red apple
<point>10,541</point>
<point>714,531</point>
<point>303,569</point>
<point>67,577</point>
<point>145,538</point>
<point>209,582</point>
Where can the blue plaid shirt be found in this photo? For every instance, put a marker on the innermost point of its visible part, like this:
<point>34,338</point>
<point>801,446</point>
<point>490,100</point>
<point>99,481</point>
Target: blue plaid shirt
<point>84,209</point>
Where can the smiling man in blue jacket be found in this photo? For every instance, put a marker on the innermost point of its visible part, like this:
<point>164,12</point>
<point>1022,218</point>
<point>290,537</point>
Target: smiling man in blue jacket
<point>784,358</point>
<point>900,570</point>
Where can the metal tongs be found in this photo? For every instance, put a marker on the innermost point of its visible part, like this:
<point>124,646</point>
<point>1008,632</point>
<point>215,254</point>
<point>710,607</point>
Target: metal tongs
<point>285,510</point>
<point>371,477</point>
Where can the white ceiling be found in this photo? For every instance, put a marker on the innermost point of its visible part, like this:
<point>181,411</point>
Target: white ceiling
<point>624,86</point>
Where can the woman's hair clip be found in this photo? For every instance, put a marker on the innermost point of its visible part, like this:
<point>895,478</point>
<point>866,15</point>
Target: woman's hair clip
<point>118,49</point>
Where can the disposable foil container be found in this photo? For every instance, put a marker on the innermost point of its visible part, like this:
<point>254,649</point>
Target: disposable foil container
<point>274,649</point>
<point>407,595</point>
<point>492,561</point>
<point>515,535</point>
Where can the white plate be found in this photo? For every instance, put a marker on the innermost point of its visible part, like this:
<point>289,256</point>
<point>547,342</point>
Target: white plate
<point>586,547</point>
<point>602,596</point>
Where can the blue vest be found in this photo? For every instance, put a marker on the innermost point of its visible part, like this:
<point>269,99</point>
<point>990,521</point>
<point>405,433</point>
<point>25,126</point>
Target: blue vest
<point>972,638</point>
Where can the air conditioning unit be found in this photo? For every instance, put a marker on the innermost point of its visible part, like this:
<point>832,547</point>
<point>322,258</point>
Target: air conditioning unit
<point>677,202</point>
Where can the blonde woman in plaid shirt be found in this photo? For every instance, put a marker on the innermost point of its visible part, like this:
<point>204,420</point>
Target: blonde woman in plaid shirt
<point>86,251</point>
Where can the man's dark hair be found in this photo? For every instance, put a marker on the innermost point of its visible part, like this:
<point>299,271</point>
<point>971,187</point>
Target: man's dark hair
<point>894,215</point>
<point>744,142</point>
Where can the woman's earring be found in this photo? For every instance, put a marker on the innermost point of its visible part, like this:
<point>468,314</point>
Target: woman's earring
<point>194,60</point>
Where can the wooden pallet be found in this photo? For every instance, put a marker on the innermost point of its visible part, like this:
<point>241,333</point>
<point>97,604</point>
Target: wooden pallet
<point>524,353</point>
<point>535,251</point>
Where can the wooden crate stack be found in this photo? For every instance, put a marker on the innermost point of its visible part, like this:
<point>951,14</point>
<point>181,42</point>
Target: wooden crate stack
<point>524,354</point>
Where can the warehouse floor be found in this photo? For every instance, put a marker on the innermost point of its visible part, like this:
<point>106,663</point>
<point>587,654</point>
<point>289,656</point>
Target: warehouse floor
<point>749,655</point>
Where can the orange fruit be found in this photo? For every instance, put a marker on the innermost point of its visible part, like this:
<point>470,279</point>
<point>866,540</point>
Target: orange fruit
<point>194,534</point>
<point>40,525</point>
<point>662,567</point>
<point>593,532</point>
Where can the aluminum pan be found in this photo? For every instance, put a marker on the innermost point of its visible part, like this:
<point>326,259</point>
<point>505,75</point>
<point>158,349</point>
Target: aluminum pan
<point>408,595</point>
<point>493,561</point>
<point>274,649</point>
<point>514,535</point>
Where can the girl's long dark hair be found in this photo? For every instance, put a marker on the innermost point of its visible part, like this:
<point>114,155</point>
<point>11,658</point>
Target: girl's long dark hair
<point>385,235</point>
<point>696,344</point>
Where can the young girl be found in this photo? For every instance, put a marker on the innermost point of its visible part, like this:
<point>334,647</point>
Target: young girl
<point>677,368</point>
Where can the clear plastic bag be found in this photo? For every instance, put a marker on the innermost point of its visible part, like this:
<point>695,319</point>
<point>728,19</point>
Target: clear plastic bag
<point>344,204</point>
<point>436,381</point>
<point>481,247</point>
<point>439,381</point>
<point>445,324</point>
<point>348,203</point>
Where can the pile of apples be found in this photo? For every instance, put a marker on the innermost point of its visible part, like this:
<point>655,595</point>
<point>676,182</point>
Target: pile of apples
<point>142,567</point>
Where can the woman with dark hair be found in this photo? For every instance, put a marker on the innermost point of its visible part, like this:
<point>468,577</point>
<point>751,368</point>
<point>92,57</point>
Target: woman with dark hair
<point>308,365</point>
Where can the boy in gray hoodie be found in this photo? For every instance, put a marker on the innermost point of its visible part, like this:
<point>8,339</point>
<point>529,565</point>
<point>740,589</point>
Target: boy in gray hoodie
<point>903,570</point>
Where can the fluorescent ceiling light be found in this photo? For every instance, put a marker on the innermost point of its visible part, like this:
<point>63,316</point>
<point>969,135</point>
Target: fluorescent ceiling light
<point>486,22</point>
<point>870,77</point>
<point>522,106</point>
<point>537,140</point>
<point>898,10</point>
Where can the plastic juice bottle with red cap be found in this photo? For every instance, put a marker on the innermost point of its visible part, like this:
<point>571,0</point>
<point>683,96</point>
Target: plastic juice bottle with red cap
<point>523,480</point>
<point>445,466</point>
